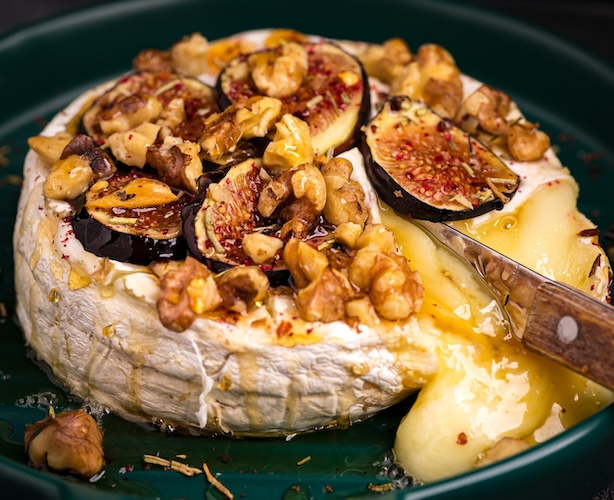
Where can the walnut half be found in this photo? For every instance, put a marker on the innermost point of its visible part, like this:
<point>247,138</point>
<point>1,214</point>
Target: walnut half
<point>67,442</point>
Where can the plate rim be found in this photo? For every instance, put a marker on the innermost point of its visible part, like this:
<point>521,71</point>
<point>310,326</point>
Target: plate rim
<point>11,40</point>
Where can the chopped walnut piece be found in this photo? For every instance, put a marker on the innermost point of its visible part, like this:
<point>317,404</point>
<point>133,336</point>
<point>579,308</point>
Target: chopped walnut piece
<point>490,107</point>
<point>276,192</point>
<point>80,163</point>
<point>261,247</point>
<point>324,298</point>
<point>362,309</point>
<point>434,78</point>
<point>291,145</point>
<point>98,159</point>
<point>129,112</point>
<point>378,270</point>
<point>345,199</point>
<point>172,116</point>
<point>377,236</point>
<point>245,119</point>
<point>50,148</point>
<point>186,290</point>
<point>189,55</point>
<point>242,287</point>
<point>67,442</point>
<point>347,233</point>
<point>526,142</point>
<point>177,163</point>
<point>130,147</point>
<point>279,73</point>
<point>395,291</point>
<point>298,195</point>
<point>305,263</point>
<point>387,61</point>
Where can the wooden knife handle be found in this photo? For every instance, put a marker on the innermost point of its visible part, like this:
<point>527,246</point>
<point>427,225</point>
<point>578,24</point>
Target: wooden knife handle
<point>573,329</point>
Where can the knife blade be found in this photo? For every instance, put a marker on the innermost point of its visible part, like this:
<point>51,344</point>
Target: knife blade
<point>548,317</point>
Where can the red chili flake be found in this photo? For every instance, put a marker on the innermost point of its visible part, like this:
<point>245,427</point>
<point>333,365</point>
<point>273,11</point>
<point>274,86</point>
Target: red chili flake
<point>224,458</point>
<point>589,232</point>
<point>462,438</point>
<point>284,328</point>
<point>591,156</point>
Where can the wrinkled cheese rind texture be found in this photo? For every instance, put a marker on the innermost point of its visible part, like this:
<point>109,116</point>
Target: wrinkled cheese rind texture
<point>105,342</point>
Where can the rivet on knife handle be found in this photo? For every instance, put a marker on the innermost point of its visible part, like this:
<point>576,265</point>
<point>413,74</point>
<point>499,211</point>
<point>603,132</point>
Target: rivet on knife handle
<point>573,329</point>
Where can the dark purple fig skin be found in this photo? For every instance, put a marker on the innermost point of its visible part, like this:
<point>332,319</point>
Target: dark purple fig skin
<point>409,206</point>
<point>140,250</point>
<point>225,100</point>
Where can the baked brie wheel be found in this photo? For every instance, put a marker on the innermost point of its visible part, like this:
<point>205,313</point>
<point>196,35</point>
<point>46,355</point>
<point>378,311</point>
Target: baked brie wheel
<point>202,243</point>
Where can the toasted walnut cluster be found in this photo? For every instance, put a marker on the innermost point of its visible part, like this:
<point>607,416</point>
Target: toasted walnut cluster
<point>76,163</point>
<point>490,108</point>
<point>244,120</point>
<point>189,288</point>
<point>372,281</point>
<point>317,226</point>
<point>343,266</point>
<point>194,55</point>
<point>432,76</point>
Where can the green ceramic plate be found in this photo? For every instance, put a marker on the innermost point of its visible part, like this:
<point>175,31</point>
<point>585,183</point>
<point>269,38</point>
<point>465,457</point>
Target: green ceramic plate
<point>44,66</point>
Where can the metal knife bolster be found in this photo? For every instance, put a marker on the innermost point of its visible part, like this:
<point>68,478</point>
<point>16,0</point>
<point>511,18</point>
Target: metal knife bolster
<point>513,285</point>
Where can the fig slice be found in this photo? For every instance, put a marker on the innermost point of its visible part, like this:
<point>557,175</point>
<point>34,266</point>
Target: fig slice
<point>332,96</point>
<point>132,217</point>
<point>180,102</point>
<point>224,214</point>
<point>425,167</point>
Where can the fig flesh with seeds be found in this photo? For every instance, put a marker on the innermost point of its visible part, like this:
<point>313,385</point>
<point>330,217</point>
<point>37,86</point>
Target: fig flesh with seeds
<point>146,97</point>
<point>425,167</point>
<point>224,213</point>
<point>332,96</point>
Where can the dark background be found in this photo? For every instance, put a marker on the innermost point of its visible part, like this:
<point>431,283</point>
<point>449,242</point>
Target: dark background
<point>587,24</point>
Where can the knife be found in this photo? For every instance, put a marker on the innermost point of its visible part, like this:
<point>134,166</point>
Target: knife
<point>548,317</point>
